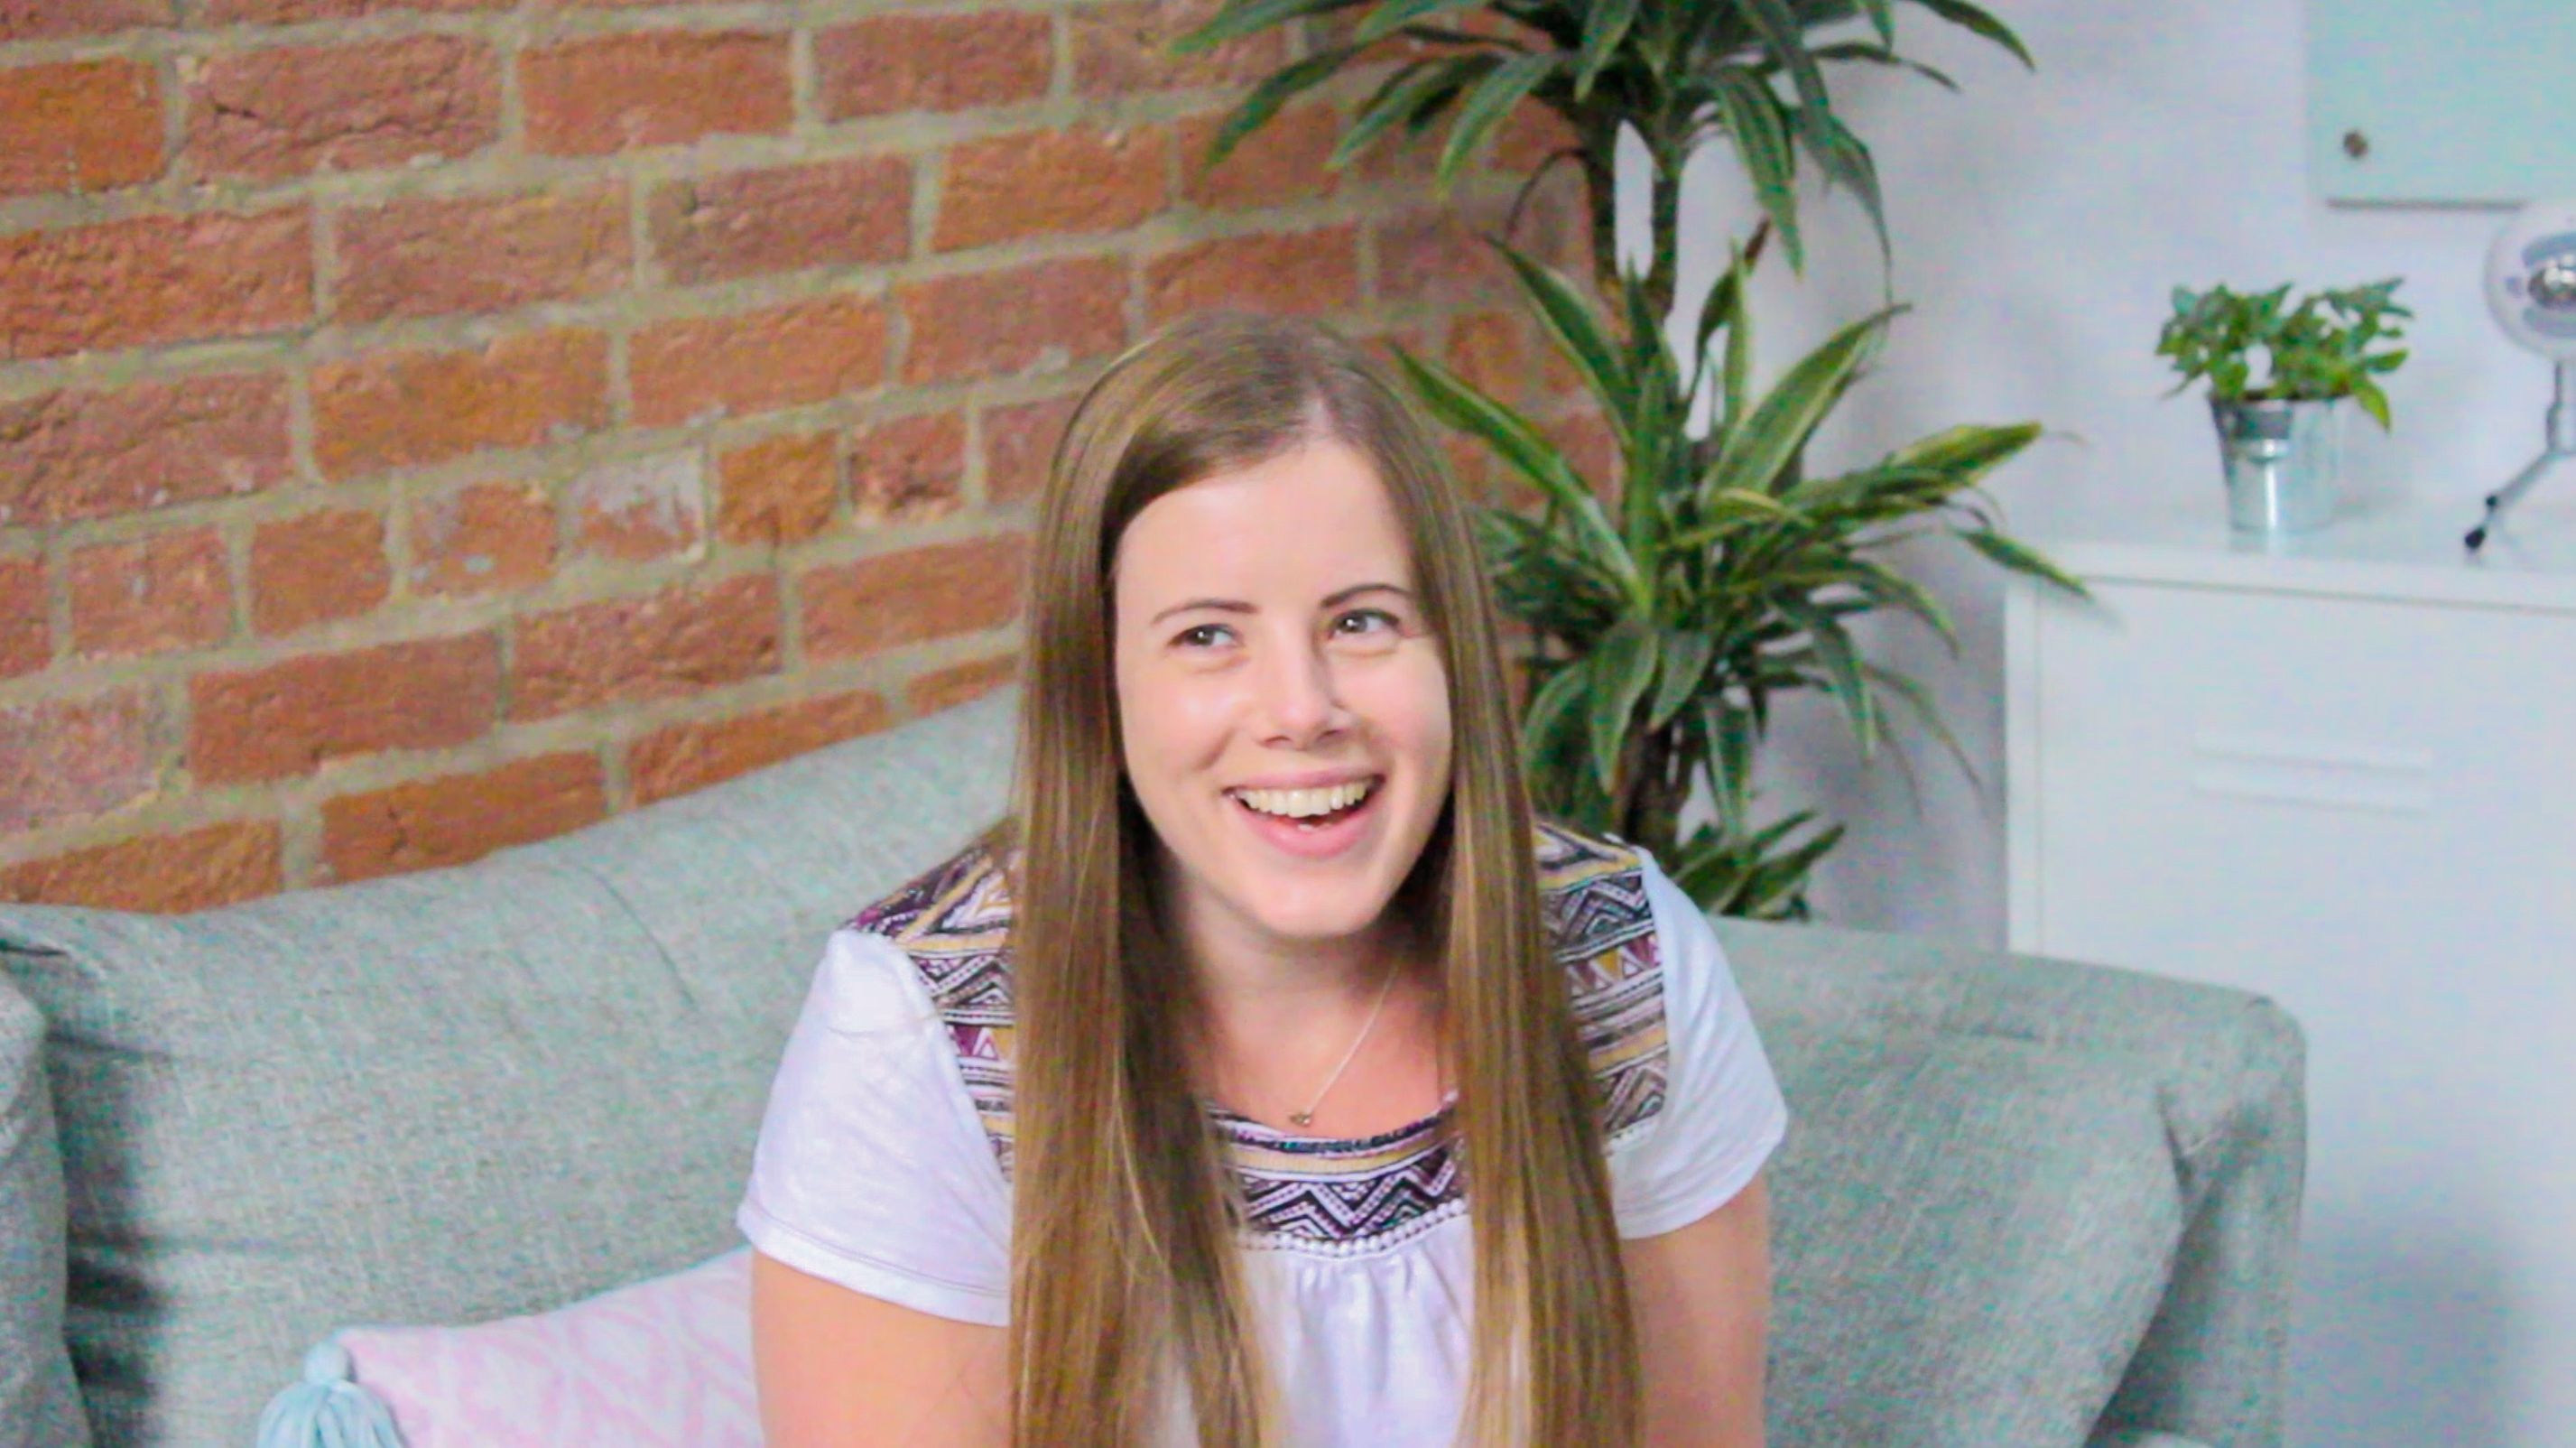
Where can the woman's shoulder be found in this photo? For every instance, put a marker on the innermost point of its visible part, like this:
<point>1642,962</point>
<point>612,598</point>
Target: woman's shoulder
<point>1601,921</point>
<point>952,925</point>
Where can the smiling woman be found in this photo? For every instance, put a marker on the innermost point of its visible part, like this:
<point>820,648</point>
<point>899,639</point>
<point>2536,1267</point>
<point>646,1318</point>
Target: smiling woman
<point>1149,1119</point>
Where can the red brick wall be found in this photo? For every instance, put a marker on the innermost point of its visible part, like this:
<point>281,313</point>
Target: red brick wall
<point>427,425</point>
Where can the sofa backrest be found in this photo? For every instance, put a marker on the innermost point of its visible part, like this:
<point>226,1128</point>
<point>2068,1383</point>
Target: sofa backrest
<point>453,1095</point>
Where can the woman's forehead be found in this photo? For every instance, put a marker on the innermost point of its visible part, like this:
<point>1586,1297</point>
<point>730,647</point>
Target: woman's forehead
<point>1290,521</point>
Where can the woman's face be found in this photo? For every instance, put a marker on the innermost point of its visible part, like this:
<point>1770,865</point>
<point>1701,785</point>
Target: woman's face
<point>1283,707</point>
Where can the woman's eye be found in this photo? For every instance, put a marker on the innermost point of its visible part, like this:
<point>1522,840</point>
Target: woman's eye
<point>1202,636</point>
<point>1361,622</point>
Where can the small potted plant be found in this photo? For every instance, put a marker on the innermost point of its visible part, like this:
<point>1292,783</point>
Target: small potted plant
<point>2281,438</point>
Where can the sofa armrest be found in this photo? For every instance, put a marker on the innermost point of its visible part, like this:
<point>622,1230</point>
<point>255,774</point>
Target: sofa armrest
<point>2095,1175</point>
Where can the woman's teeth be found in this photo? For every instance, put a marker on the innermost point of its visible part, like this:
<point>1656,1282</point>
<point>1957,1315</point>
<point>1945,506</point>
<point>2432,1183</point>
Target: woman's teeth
<point>1306,803</point>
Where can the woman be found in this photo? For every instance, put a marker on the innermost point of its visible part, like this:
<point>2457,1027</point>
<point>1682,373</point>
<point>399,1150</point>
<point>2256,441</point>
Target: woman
<point>1162,1115</point>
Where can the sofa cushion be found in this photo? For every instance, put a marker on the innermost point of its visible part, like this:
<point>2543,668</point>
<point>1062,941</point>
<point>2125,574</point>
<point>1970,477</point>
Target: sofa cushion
<point>39,1406</point>
<point>663,1363</point>
<point>456,1095</point>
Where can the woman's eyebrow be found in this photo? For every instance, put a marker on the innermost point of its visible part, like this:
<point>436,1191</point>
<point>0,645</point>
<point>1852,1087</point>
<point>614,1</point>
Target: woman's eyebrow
<point>1221,605</point>
<point>1336,600</point>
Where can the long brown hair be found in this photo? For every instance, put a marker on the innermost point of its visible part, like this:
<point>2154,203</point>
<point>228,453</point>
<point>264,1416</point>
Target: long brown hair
<point>1126,1283</point>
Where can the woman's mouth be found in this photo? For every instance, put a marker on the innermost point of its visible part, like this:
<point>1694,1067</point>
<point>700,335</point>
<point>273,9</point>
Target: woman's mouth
<point>1310,822</point>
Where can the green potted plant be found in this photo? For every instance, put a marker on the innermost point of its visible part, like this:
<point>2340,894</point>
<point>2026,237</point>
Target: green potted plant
<point>1718,573</point>
<point>2280,437</point>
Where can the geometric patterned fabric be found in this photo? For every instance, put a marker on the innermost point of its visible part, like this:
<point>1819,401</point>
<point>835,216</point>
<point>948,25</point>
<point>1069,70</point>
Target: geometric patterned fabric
<point>1319,1195</point>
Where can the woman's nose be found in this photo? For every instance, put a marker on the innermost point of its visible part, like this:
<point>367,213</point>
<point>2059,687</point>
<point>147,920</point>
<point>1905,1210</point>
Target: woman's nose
<point>1300,703</point>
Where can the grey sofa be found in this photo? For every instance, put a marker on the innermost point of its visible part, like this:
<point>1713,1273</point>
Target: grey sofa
<point>2022,1202</point>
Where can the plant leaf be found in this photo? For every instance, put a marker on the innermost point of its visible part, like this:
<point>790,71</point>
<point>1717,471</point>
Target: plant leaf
<point>1521,445</point>
<point>1969,17</point>
<point>1881,55</point>
<point>1622,667</point>
<point>1549,709</point>
<point>1834,650</point>
<point>1394,15</point>
<point>1604,26</point>
<point>1245,17</point>
<point>1486,106</point>
<point>1968,451</point>
<point>1754,119</point>
<point>1917,698</point>
<point>2021,558</point>
<point>1414,98</point>
<point>1686,655</point>
<point>1271,94</point>
<point>1761,445</point>
<point>1782,35</point>
<point>1575,329</point>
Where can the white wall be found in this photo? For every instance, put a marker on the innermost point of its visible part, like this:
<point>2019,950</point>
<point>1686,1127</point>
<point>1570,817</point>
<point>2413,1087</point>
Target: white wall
<point>2040,223</point>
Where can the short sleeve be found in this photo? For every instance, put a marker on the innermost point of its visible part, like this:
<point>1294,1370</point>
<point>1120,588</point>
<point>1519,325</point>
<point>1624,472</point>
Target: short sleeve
<point>1723,1113</point>
<point>872,1169</point>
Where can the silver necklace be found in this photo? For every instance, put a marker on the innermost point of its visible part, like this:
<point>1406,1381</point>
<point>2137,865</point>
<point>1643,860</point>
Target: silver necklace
<point>1307,1116</point>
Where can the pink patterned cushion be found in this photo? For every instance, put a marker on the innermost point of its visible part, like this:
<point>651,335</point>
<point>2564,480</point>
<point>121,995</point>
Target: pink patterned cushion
<point>662,1362</point>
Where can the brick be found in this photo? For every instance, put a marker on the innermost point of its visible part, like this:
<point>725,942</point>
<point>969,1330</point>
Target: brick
<point>1019,442</point>
<point>641,508</point>
<point>692,756</point>
<point>906,469</point>
<point>854,609</point>
<point>154,280</point>
<point>402,409</point>
<point>67,759</point>
<point>458,818</point>
<point>616,92</point>
<point>289,12</point>
<point>317,567</point>
<point>53,19</point>
<point>754,361</point>
<point>1529,136</point>
<point>778,490</point>
<point>481,253</point>
<point>1442,255</point>
<point>1486,351</point>
<point>1122,49</point>
<point>1587,442</point>
<point>1303,272</point>
<point>1281,162</point>
<point>84,126</point>
<point>170,591</point>
<point>487,538</point>
<point>679,641</point>
<point>749,223</point>
<point>887,64</point>
<point>290,718</point>
<point>67,456</point>
<point>289,110</point>
<point>161,874</point>
<point>946,688</point>
<point>1044,316</point>
<point>26,636</point>
<point>1049,183</point>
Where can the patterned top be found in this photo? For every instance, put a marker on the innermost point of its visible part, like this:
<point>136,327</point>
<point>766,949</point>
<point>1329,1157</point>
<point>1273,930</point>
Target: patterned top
<point>884,1153</point>
<point>1318,1195</point>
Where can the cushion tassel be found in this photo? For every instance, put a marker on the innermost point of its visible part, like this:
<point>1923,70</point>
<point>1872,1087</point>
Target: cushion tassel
<point>328,1409</point>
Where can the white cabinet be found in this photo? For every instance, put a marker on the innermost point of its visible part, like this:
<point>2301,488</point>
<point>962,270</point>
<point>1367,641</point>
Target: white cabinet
<point>2342,772</point>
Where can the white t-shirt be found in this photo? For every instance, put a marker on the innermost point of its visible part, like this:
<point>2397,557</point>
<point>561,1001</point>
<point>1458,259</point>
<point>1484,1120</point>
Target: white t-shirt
<point>883,1162</point>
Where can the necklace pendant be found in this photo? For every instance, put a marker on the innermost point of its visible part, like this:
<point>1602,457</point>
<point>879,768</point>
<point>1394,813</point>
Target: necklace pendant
<point>1302,1118</point>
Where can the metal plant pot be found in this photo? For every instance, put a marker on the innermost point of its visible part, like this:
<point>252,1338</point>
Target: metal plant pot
<point>2283,462</point>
